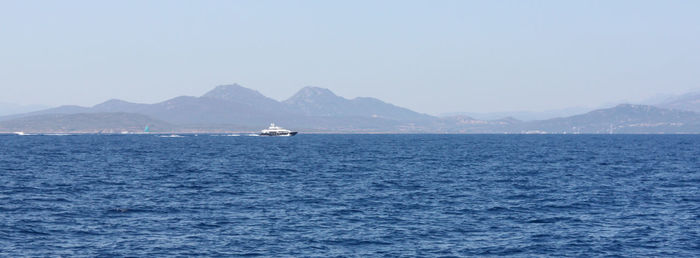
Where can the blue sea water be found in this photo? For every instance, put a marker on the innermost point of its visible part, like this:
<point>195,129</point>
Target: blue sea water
<point>350,195</point>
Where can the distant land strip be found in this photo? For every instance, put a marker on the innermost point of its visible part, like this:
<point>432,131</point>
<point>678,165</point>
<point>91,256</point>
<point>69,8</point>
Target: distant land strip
<point>236,109</point>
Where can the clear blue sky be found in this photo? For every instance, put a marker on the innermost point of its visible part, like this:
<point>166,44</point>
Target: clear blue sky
<point>430,56</point>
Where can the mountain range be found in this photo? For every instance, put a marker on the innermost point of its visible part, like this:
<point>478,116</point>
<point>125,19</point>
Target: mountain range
<point>689,101</point>
<point>235,108</point>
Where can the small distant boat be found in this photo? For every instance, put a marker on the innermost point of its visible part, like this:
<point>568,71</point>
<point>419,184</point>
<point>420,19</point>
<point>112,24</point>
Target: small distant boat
<point>20,133</point>
<point>276,131</point>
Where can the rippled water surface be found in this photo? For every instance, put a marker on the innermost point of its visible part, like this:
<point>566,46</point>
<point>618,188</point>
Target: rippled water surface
<point>327,195</point>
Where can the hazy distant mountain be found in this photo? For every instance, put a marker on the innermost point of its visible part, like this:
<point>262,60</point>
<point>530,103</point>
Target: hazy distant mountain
<point>238,94</point>
<point>85,122</point>
<point>116,105</point>
<point>233,107</point>
<point>624,118</point>
<point>689,101</point>
<point>314,101</point>
<point>205,110</point>
<point>68,109</point>
<point>228,104</point>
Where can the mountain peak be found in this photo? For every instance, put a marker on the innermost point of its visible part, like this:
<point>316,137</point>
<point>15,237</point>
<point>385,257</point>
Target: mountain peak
<point>316,91</point>
<point>110,102</point>
<point>314,94</point>
<point>232,92</point>
<point>117,105</point>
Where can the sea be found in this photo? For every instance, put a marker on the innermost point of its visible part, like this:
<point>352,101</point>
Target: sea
<point>350,195</point>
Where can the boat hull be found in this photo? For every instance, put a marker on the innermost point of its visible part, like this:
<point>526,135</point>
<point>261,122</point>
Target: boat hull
<point>278,134</point>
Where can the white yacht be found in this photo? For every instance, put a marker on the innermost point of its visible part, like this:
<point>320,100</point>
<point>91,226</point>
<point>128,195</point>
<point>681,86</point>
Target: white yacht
<point>276,131</point>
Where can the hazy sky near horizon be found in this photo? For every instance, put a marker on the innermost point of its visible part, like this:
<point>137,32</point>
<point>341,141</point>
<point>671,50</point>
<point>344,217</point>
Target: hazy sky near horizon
<point>429,56</point>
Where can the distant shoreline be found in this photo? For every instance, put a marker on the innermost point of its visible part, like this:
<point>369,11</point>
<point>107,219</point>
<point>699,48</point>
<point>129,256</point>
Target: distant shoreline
<point>32,133</point>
